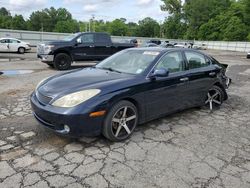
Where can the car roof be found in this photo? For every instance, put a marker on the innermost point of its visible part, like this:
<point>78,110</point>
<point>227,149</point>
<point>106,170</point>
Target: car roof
<point>8,38</point>
<point>164,50</point>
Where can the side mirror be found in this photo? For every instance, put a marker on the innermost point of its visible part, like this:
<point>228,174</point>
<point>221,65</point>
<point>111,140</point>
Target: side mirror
<point>162,72</point>
<point>78,41</point>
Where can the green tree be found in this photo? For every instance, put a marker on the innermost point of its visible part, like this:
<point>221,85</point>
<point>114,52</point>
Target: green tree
<point>174,25</point>
<point>68,26</point>
<point>172,6</point>
<point>235,30</point>
<point>199,12</point>
<point>18,22</point>
<point>48,18</point>
<point>4,12</point>
<point>118,28</point>
<point>148,27</point>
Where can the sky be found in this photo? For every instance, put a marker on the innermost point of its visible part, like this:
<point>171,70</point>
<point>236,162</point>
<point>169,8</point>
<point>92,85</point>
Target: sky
<point>132,10</point>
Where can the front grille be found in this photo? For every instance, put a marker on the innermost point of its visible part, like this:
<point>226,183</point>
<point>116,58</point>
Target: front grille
<point>42,98</point>
<point>40,49</point>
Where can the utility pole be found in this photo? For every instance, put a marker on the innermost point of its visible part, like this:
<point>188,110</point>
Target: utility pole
<point>93,20</point>
<point>89,25</point>
<point>42,31</point>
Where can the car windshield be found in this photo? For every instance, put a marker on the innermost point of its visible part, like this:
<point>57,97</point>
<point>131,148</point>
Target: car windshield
<point>131,61</point>
<point>70,37</point>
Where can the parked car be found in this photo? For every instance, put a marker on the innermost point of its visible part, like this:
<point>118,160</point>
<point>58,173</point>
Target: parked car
<point>248,55</point>
<point>79,47</point>
<point>199,47</point>
<point>155,41</point>
<point>131,87</point>
<point>183,45</point>
<point>167,45</point>
<point>13,45</point>
<point>149,45</point>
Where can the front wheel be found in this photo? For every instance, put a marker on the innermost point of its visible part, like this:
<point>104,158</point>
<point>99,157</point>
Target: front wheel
<point>21,50</point>
<point>121,121</point>
<point>62,61</point>
<point>215,97</point>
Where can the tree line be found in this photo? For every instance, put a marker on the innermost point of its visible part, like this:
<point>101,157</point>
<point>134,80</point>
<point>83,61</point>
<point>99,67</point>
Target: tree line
<point>193,19</point>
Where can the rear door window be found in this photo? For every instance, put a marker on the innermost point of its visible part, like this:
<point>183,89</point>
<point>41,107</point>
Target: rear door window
<point>196,60</point>
<point>101,38</point>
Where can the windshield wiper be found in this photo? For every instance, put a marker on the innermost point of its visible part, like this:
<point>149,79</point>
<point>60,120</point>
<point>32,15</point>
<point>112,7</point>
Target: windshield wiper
<point>109,69</point>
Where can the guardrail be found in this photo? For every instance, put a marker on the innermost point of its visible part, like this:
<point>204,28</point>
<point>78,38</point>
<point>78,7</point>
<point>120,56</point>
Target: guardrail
<point>35,37</point>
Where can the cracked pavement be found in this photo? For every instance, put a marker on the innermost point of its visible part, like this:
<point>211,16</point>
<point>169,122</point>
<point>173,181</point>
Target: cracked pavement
<point>193,148</point>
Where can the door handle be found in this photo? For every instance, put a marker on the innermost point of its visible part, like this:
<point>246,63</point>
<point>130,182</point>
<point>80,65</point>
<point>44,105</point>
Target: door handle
<point>108,46</point>
<point>92,46</point>
<point>184,79</point>
<point>212,74</point>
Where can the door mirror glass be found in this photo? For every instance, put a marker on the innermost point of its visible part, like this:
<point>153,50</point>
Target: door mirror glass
<point>162,72</point>
<point>79,40</point>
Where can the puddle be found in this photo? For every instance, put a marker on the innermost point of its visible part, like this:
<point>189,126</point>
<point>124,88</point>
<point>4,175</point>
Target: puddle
<point>11,59</point>
<point>15,72</point>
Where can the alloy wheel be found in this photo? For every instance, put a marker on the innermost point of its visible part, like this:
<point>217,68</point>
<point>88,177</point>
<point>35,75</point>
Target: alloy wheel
<point>214,98</point>
<point>123,122</point>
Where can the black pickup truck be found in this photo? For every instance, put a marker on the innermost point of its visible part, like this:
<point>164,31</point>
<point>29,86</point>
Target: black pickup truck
<point>89,46</point>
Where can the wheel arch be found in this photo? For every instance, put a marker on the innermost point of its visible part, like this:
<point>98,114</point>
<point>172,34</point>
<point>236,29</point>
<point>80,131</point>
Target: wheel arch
<point>223,89</point>
<point>135,102</point>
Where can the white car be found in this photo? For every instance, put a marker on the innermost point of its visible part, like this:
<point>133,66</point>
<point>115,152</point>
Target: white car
<point>199,47</point>
<point>248,55</point>
<point>182,45</point>
<point>13,45</point>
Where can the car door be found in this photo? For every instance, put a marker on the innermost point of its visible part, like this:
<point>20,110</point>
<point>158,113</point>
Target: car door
<point>103,46</point>
<point>201,75</point>
<point>167,94</point>
<point>13,45</point>
<point>84,48</point>
<point>4,46</point>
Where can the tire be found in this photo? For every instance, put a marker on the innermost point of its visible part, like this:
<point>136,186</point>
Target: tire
<point>62,61</point>
<point>21,50</point>
<point>117,126</point>
<point>215,97</point>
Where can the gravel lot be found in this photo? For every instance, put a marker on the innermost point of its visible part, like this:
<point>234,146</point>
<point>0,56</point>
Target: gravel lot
<point>194,148</point>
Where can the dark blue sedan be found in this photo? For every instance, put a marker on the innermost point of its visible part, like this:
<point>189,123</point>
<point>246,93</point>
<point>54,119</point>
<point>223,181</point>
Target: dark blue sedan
<point>129,88</point>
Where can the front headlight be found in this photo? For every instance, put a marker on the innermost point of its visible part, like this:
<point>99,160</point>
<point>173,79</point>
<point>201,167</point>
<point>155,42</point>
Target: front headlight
<point>48,48</point>
<point>76,98</point>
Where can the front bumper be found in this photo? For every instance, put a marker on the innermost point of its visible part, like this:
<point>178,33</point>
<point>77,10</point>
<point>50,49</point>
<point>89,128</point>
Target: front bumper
<point>46,58</point>
<point>27,48</point>
<point>55,119</point>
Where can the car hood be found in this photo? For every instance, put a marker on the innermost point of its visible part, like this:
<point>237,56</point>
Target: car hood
<point>77,80</point>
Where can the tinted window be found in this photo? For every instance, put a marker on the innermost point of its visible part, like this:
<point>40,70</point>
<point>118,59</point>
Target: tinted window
<point>101,38</point>
<point>196,60</point>
<point>173,61</point>
<point>87,38</point>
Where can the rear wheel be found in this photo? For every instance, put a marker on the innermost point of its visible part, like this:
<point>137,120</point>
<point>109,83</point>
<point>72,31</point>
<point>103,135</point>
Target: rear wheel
<point>62,61</point>
<point>120,121</point>
<point>21,50</point>
<point>215,97</point>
